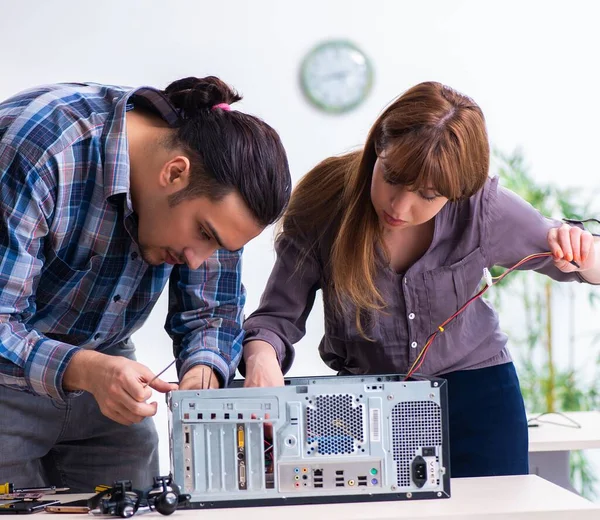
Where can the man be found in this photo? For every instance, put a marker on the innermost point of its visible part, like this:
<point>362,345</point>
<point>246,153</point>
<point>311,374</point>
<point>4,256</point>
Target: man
<point>107,193</point>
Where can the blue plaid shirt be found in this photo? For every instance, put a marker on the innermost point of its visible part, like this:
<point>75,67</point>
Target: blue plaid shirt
<point>71,276</point>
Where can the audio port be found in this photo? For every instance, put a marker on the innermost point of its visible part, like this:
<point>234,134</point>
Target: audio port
<point>297,477</point>
<point>297,484</point>
<point>296,470</point>
<point>304,470</point>
<point>304,477</point>
<point>351,482</point>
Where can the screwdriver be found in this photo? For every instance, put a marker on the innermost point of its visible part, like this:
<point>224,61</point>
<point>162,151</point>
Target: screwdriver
<point>9,487</point>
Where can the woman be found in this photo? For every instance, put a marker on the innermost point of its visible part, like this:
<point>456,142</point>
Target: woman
<point>397,237</point>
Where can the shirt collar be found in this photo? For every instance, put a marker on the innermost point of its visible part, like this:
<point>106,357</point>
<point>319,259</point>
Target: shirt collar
<point>114,137</point>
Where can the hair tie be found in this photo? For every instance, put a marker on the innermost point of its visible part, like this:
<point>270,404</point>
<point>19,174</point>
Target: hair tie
<point>222,106</point>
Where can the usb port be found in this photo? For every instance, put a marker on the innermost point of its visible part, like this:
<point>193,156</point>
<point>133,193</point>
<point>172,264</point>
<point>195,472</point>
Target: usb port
<point>339,472</point>
<point>318,479</point>
<point>362,477</point>
<point>361,483</point>
<point>339,484</point>
<point>318,485</point>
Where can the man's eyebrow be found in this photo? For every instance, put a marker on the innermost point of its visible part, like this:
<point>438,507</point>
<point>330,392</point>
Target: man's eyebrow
<point>216,236</point>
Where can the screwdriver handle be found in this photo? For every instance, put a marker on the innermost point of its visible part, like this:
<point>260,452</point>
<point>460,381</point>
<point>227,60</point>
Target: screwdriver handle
<point>7,488</point>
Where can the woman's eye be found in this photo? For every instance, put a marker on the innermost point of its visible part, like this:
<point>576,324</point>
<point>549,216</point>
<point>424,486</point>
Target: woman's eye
<point>427,196</point>
<point>389,178</point>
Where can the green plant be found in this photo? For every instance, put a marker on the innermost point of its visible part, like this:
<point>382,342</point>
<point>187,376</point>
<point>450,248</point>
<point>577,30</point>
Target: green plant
<point>546,385</point>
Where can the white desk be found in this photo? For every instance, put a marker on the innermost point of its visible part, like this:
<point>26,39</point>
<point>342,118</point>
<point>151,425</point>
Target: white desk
<point>550,444</point>
<point>525,497</point>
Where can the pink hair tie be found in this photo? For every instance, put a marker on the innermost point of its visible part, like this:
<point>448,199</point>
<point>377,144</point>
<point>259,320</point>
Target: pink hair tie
<point>222,106</point>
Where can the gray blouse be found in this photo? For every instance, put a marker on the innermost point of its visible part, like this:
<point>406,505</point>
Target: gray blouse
<point>494,227</point>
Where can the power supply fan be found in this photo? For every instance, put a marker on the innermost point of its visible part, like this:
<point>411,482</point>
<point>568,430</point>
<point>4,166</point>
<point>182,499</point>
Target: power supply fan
<point>334,425</point>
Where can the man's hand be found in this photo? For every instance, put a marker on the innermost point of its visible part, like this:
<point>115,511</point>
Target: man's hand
<point>262,367</point>
<point>119,385</point>
<point>199,377</point>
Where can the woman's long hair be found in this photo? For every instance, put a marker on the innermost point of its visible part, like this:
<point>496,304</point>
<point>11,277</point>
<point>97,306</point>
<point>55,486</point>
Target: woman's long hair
<point>433,137</point>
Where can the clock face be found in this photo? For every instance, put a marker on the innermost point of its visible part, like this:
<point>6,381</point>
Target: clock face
<point>336,76</point>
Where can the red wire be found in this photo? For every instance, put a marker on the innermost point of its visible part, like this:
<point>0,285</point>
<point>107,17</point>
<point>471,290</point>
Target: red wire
<point>421,358</point>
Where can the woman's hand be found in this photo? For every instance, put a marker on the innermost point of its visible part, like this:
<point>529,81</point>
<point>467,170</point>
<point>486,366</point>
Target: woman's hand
<point>262,367</point>
<point>570,243</point>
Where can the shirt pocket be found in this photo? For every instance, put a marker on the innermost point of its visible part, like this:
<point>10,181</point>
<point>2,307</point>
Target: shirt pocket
<point>63,287</point>
<point>450,287</point>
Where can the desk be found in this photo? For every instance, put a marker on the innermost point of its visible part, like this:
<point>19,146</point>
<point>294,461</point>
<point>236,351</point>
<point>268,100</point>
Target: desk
<point>550,444</point>
<point>524,497</point>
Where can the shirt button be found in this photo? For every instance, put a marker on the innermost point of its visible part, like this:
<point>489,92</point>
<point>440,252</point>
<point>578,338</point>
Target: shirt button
<point>411,316</point>
<point>116,298</point>
<point>134,255</point>
<point>413,344</point>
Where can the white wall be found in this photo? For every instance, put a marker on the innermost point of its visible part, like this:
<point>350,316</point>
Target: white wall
<point>532,66</point>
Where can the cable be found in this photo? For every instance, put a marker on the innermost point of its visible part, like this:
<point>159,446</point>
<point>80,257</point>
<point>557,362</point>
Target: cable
<point>532,422</point>
<point>441,328</point>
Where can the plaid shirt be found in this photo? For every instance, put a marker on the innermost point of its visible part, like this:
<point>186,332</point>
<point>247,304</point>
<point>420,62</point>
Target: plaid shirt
<point>71,276</point>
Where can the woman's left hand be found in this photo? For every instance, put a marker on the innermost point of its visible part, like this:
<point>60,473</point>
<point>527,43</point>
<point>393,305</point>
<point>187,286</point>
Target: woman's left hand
<point>570,243</point>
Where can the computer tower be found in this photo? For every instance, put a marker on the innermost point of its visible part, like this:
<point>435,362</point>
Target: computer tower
<point>314,440</point>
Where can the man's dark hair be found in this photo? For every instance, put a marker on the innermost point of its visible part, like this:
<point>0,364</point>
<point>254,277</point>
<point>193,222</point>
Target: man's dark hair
<point>228,150</point>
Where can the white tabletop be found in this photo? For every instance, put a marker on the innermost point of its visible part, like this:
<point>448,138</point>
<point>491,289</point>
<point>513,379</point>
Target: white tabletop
<point>526,497</point>
<point>553,437</point>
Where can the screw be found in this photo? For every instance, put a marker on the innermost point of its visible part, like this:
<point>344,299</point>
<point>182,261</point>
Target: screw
<point>409,495</point>
<point>393,488</point>
<point>435,384</point>
<point>439,494</point>
<point>175,405</point>
<point>432,396</point>
<point>390,397</point>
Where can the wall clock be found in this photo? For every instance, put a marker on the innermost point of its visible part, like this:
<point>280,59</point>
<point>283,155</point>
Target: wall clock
<point>336,76</point>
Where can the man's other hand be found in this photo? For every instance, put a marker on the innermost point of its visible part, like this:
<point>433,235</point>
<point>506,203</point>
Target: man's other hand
<point>199,377</point>
<point>120,386</point>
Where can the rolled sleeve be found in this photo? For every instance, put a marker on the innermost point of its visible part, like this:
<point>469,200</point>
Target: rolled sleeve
<point>205,314</point>
<point>45,368</point>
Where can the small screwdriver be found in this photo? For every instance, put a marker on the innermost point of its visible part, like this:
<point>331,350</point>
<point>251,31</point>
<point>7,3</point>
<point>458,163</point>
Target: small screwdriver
<point>9,487</point>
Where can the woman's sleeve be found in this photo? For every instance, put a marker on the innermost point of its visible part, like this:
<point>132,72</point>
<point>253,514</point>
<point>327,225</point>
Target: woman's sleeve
<point>287,300</point>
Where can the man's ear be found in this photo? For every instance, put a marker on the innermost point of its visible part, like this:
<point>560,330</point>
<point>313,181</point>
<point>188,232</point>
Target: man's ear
<point>175,174</point>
